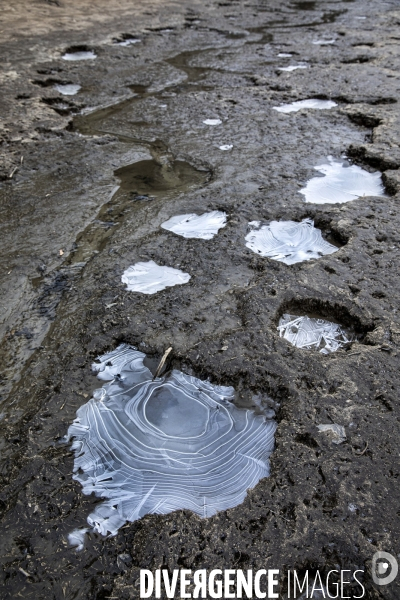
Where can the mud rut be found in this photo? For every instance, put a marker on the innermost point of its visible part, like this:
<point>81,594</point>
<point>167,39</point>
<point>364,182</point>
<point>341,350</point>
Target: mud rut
<point>223,324</point>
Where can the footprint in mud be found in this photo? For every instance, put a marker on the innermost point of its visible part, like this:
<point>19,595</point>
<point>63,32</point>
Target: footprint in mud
<point>149,444</point>
<point>287,241</point>
<point>342,182</point>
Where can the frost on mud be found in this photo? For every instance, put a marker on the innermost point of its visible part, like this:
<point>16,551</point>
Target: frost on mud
<point>306,332</point>
<point>150,278</point>
<point>288,241</point>
<point>203,226</point>
<point>155,446</point>
<point>341,183</point>
<point>314,103</point>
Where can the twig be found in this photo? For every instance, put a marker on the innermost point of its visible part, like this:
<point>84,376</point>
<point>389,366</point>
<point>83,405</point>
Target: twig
<point>24,572</point>
<point>363,452</point>
<point>162,362</point>
<point>12,172</point>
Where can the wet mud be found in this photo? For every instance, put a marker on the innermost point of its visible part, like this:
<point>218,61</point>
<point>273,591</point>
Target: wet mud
<point>86,182</point>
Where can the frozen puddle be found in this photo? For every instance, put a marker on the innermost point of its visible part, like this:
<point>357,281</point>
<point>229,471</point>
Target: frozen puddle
<point>292,68</point>
<point>127,41</point>
<point>311,103</point>
<point>196,226</point>
<point>306,332</point>
<point>342,182</point>
<point>79,55</point>
<point>212,122</point>
<point>226,147</point>
<point>288,242</point>
<point>323,42</point>
<point>155,446</point>
<point>69,89</point>
<point>149,278</point>
<point>285,55</point>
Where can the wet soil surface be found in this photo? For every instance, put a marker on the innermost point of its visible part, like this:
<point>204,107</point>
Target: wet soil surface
<point>86,182</point>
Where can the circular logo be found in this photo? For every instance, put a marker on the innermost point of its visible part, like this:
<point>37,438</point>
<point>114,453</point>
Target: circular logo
<point>384,568</point>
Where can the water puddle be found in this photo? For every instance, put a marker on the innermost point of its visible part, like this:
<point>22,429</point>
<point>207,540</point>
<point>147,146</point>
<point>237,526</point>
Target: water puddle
<point>313,103</point>
<point>150,278</point>
<point>203,226</point>
<point>288,242</point>
<point>79,55</point>
<point>342,182</point>
<point>68,89</point>
<point>311,333</point>
<point>156,445</point>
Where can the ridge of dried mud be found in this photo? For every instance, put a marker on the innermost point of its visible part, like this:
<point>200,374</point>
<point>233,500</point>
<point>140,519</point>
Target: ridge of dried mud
<point>60,311</point>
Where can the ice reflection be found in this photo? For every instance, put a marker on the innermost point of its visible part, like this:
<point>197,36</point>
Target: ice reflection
<point>155,446</point>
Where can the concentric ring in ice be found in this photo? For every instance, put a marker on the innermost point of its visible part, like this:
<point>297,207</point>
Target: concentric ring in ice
<point>307,332</point>
<point>203,226</point>
<point>342,183</point>
<point>313,103</point>
<point>288,241</point>
<point>157,446</point>
<point>149,278</point>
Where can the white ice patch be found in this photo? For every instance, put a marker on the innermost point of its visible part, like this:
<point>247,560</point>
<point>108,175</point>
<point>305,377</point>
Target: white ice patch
<point>310,103</point>
<point>69,89</point>
<point>149,278</point>
<point>81,55</point>
<point>306,332</point>
<point>196,226</point>
<point>342,183</point>
<point>226,147</point>
<point>287,241</point>
<point>292,68</point>
<point>338,432</point>
<point>128,42</point>
<point>284,55</point>
<point>212,122</point>
<point>77,538</point>
<point>156,446</point>
<point>323,42</point>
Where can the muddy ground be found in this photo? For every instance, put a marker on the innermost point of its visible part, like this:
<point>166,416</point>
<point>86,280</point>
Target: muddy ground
<point>86,182</point>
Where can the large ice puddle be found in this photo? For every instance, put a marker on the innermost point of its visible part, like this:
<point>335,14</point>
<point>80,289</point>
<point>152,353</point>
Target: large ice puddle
<point>150,445</point>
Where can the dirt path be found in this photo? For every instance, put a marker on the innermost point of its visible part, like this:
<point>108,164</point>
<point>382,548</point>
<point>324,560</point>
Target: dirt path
<point>87,179</point>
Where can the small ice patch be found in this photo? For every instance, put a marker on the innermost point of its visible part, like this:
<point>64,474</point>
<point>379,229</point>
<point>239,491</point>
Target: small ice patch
<point>226,147</point>
<point>212,122</point>
<point>77,538</point>
<point>341,183</point>
<point>284,55</point>
<point>69,89</point>
<point>196,226</point>
<point>292,68</point>
<point>128,42</point>
<point>149,278</point>
<point>323,42</point>
<point>79,55</point>
<point>148,445</point>
<point>288,242</point>
<point>307,332</point>
<point>310,103</point>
